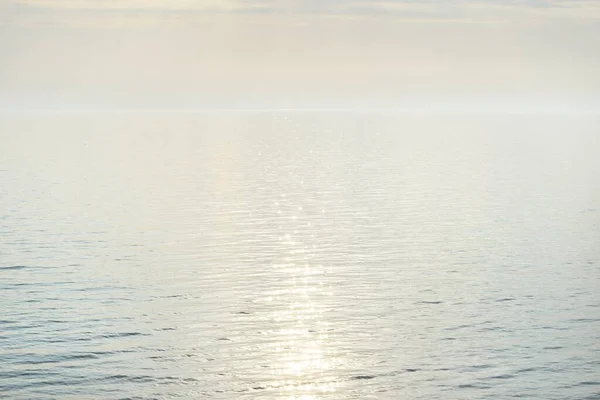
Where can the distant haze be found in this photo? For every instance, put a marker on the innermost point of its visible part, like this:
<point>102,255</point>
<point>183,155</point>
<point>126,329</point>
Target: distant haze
<point>178,54</point>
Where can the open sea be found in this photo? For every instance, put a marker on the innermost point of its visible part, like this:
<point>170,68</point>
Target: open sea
<point>299,255</point>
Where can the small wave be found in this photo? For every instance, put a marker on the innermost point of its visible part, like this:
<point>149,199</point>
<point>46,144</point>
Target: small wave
<point>473,386</point>
<point>554,328</point>
<point>531,369</point>
<point>58,359</point>
<point>453,328</point>
<point>468,386</point>
<point>503,376</point>
<point>494,329</point>
<point>26,374</point>
<point>364,377</point>
<point>482,366</point>
<point>129,378</point>
<point>86,356</point>
<point>585,320</point>
<point>13,267</point>
<point>123,334</point>
<point>594,396</point>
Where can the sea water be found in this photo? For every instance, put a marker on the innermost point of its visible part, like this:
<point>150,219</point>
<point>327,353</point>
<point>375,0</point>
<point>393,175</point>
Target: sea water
<point>299,255</point>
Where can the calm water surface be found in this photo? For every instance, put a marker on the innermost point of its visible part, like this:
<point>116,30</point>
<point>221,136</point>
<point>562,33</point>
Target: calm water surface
<point>290,255</point>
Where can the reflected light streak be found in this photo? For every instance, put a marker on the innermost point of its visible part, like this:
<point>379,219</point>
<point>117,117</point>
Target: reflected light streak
<point>303,355</point>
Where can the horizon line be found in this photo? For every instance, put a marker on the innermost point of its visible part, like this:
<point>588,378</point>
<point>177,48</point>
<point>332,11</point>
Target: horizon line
<point>415,110</point>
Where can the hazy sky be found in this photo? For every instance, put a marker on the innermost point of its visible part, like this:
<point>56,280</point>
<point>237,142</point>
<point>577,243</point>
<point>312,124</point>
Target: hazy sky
<point>292,53</point>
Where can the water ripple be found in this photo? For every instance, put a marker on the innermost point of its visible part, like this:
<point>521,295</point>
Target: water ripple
<point>316,256</point>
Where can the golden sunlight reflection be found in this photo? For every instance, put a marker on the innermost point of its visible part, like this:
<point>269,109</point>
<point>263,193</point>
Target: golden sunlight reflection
<point>302,355</point>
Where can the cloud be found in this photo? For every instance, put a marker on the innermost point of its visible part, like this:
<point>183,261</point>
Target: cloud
<point>467,10</point>
<point>156,50</point>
